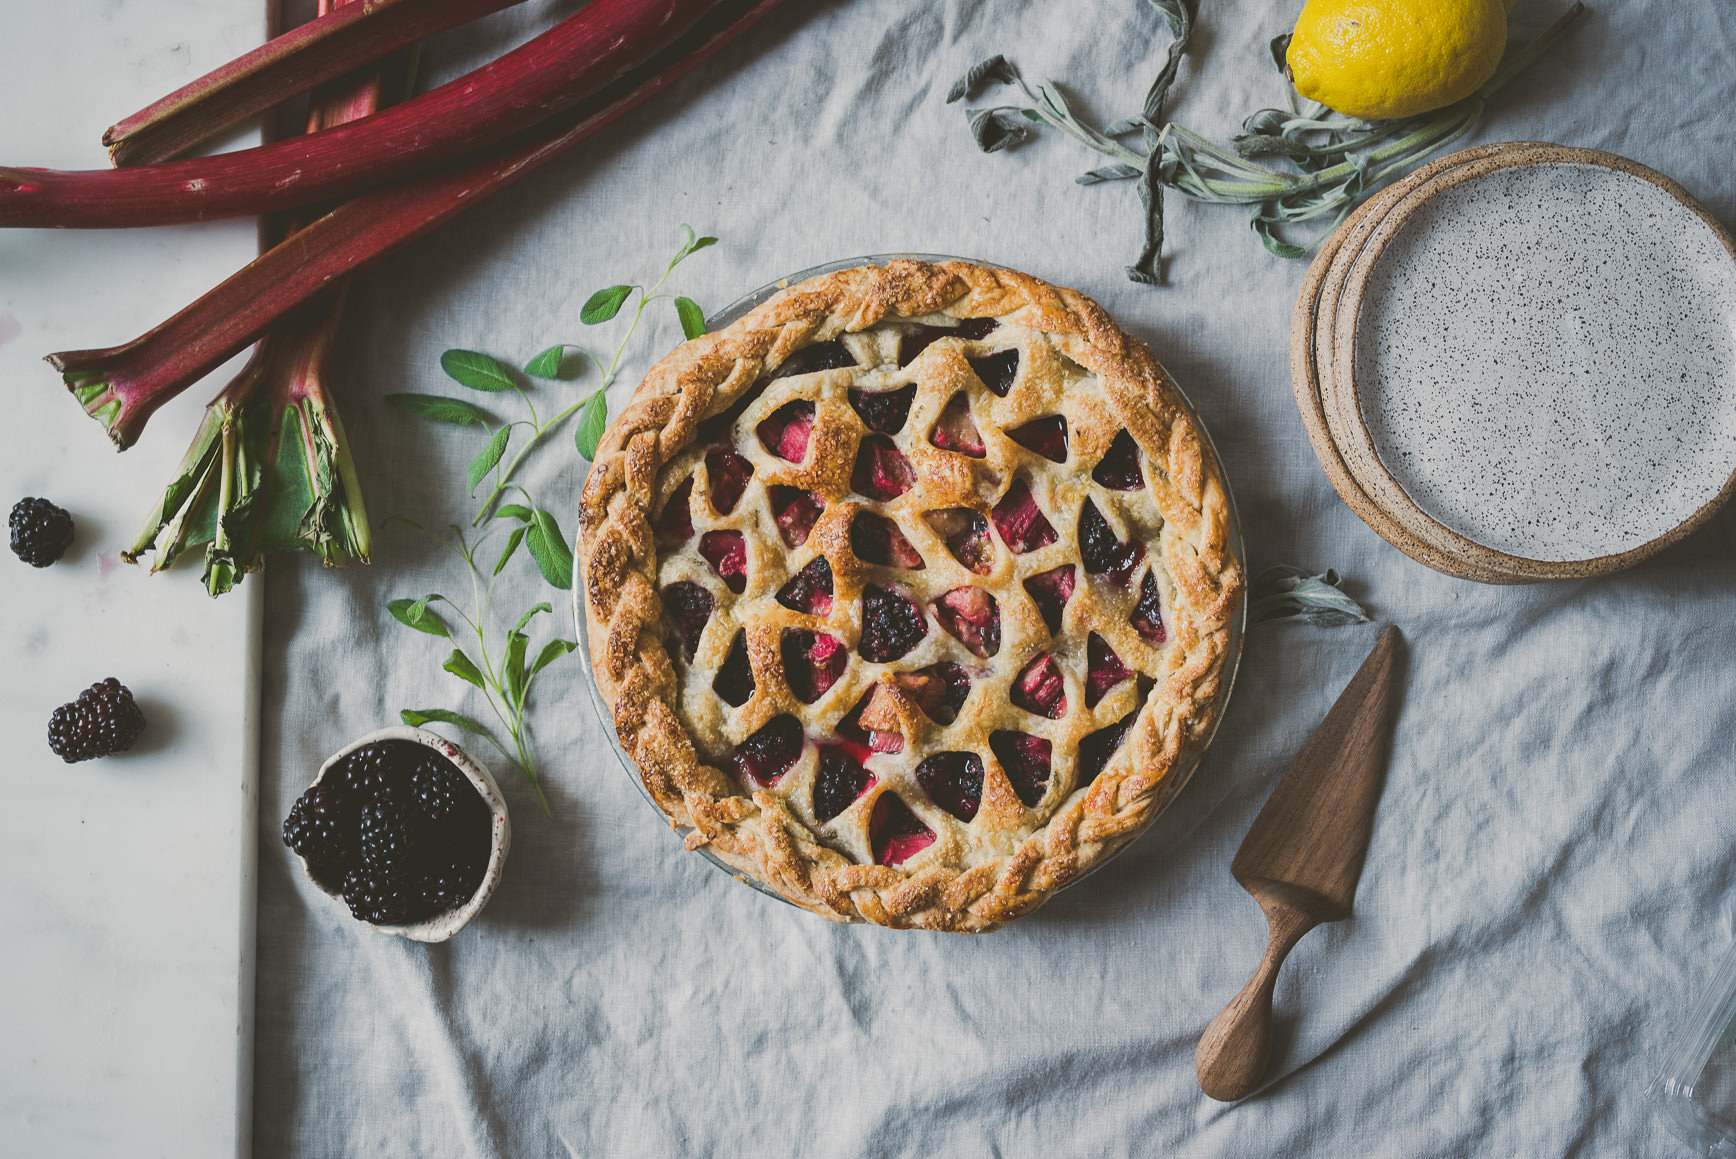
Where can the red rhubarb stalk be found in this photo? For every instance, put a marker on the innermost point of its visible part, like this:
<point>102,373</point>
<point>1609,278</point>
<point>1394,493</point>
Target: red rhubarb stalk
<point>586,52</point>
<point>122,386</point>
<point>325,48</point>
<point>270,468</point>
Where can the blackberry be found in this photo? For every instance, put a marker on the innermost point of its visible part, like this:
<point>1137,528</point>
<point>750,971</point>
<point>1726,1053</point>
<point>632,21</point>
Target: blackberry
<point>388,839</point>
<point>451,885</point>
<point>437,788</point>
<point>103,720</point>
<point>41,532</point>
<point>365,773</point>
<point>382,899</point>
<point>320,829</point>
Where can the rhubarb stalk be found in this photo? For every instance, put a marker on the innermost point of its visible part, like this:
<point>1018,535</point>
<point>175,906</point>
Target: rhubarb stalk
<point>270,467</point>
<point>583,54</point>
<point>330,46</point>
<point>122,386</point>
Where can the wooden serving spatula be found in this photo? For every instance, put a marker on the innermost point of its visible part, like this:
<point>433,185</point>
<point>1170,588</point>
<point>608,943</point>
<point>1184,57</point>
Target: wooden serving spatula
<point>1302,858</point>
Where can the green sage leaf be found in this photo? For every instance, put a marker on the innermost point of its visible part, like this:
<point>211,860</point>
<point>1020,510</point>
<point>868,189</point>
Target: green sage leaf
<point>604,304</point>
<point>702,243</point>
<point>464,668</point>
<point>996,68</point>
<point>1285,592</point>
<point>415,614</point>
<point>512,542</point>
<point>477,371</point>
<point>593,421</point>
<point>513,667</point>
<point>994,130</point>
<point>1115,172</point>
<point>525,619</point>
<point>1280,50</point>
<point>552,651</point>
<point>692,318</point>
<point>515,511</point>
<point>416,717</point>
<point>1273,243</point>
<point>549,548</point>
<point>548,363</point>
<point>438,408</point>
<point>490,456</point>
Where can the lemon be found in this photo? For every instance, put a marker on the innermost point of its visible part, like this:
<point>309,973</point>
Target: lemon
<point>1377,59</point>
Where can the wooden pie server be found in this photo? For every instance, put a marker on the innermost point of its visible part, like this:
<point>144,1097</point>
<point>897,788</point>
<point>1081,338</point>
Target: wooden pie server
<point>1301,860</point>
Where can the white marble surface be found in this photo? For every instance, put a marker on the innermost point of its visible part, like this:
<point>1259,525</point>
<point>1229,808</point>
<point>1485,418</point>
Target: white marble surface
<point>126,885</point>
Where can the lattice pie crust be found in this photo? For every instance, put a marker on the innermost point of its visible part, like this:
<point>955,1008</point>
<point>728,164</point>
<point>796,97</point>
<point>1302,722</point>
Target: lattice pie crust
<point>910,591</point>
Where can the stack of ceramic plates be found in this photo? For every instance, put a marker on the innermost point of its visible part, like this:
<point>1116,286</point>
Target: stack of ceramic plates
<point>1519,363</point>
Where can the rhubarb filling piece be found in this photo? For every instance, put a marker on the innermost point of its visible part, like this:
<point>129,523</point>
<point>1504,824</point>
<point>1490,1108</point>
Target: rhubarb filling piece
<point>896,833</point>
<point>1103,669</point>
<point>966,534</point>
<point>794,511</point>
<point>973,617</point>
<point>728,473</point>
<point>956,431</point>
<point>813,662</point>
<point>726,552</point>
<point>876,539</point>
<point>810,590</point>
<point>1039,688</point>
<point>786,433</point>
<point>881,472</point>
<point>1021,523</point>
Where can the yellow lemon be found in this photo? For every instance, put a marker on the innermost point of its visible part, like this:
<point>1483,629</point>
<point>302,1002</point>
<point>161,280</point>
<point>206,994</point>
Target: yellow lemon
<point>1395,58</point>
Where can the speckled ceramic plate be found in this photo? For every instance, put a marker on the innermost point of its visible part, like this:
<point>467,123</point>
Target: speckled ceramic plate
<point>1310,370</point>
<point>1533,363</point>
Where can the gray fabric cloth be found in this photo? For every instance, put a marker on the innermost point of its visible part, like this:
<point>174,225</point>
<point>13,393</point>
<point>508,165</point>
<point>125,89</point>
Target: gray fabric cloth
<point>1543,893</point>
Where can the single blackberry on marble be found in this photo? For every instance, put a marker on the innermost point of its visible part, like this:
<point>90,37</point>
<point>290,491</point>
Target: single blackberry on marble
<point>41,532</point>
<point>104,720</point>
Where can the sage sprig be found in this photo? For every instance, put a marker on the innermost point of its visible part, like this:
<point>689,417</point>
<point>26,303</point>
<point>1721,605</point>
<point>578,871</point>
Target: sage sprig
<point>500,664</point>
<point>1285,592</point>
<point>1334,161</point>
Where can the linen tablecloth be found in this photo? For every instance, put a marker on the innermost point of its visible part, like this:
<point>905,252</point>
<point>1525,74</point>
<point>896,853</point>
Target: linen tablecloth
<point>1547,884</point>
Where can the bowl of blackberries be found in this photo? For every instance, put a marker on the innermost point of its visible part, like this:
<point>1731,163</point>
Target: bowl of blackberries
<point>404,828</point>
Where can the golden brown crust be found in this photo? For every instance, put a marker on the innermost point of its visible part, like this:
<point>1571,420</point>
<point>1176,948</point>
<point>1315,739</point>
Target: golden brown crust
<point>758,833</point>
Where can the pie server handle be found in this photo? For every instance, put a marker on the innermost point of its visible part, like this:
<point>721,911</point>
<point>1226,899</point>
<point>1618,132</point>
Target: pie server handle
<point>1235,1049</point>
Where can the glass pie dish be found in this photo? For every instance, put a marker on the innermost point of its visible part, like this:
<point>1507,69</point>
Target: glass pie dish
<point>1178,773</point>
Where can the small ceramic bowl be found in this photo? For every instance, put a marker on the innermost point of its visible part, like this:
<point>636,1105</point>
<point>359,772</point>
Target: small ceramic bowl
<point>441,926</point>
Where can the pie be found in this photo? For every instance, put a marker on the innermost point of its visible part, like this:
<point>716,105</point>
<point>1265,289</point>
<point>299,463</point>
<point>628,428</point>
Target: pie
<point>911,591</point>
